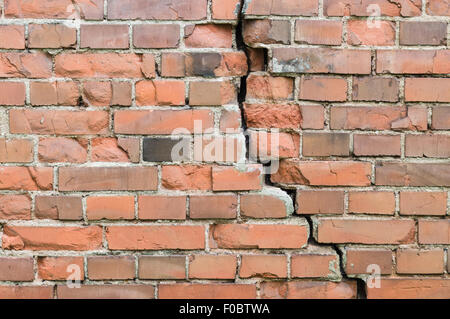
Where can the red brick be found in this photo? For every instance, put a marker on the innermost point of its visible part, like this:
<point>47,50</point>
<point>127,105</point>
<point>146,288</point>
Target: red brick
<point>52,36</point>
<point>427,145</point>
<point>312,117</point>
<point>364,231</point>
<point>54,93</point>
<point>321,60</point>
<point>361,32</point>
<point>331,173</point>
<point>283,7</point>
<point>106,292</point>
<point>320,202</point>
<point>225,9</point>
<point>437,8</point>
<point>423,32</point>
<point>318,32</point>
<point>25,65</point>
<point>266,31</point>
<point>58,122</point>
<point>413,62</point>
<point>61,149</point>
<point>371,202</point>
<point>157,9</point>
<point>411,288</point>
<point>257,236</point>
<point>155,237</point>
<point>359,260</point>
<point>110,207</point>
<point>412,174</point>
<point>269,88</point>
<point>107,178</point>
<point>104,65</point>
<point>212,267</point>
<point>160,121</point>
<point>362,8</point>
<point>308,290</point>
<point>58,207</point>
<point>412,261</point>
<point>323,89</point>
<point>16,269</point>
<point>162,207</point>
<point>162,267</point>
<point>326,144</point>
<point>12,93</point>
<point>212,93</point>
<point>376,145</point>
<point>187,177</point>
<point>213,207</point>
<point>206,291</point>
<point>160,93</point>
<point>434,231</point>
<point>236,178</point>
<point>262,206</point>
<point>208,36</point>
<point>427,89</point>
<point>26,292</point>
<point>60,267</point>
<point>266,145</point>
<point>266,266</point>
<point>50,9</point>
<point>107,150</point>
<point>12,37</point>
<point>51,238</point>
<point>441,118</point>
<point>273,115</point>
<point>111,267</point>
<point>314,266</point>
<point>26,178</point>
<point>375,89</point>
<point>15,207</point>
<point>104,36</point>
<point>156,36</point>
<point>16,151</point>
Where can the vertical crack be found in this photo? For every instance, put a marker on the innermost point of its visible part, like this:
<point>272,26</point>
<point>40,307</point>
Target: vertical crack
<point>241,46</point>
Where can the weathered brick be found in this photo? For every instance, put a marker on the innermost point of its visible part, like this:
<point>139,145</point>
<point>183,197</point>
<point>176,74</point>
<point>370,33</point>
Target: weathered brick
<point>107,150</point>
<point>26,292</point>
<point>413,62</point>
<point>267,31</point>
<point>371,202</point>
<point>225,9</point>
<point>12,37</point>
<point>326,144</point>
<point>412,174</point>
<point>320,202</point>
<point>16,150</point>
<point>111,267</point>
<point>321,60</point>
<point>282,7</point>
<point>362,32</point>
<point>156,36</point>
<point>273,115</point>
<point>412,261</point>
<point>234,179</point>
<point>212,267</point>
<point>62,149</point>
<point>266,266</point>
<point>365,8</point>
<point>162,267</point>
<point>269,88</point>
<point>306,289</point>
<point>25,65</point>
<point>58,207</point>
<point>314,265</point>
<point>318,32</point>
<point>51,36</point>
<point>162,207</point>
<point>365,231</point>
<point>427,145</point>
<point>51,238</point>
<point>15,207</point>
<point>155,237</point>
<point>187,177</point>
<point>54,93</point>
<point>422,33</point>
<point>213,207</point>
<point>208,36</point>
<point>437,8</point>
<point>359,260</point>
<point>26,178</point>
<point>375,89</point>
<point>411,288</point>
<point>248,236</point>
<point>331,173</point>
<point>60,267</point>
<point>376,145</point>
<point>107,178</point>
<point>110,207</point>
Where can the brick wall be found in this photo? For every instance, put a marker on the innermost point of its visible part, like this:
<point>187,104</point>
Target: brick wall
<point>139,147</point>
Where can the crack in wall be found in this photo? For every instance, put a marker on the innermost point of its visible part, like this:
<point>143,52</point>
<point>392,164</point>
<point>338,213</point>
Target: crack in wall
<point>242,94</point>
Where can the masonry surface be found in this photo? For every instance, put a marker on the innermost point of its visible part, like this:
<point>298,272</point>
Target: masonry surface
<point>91,92</point>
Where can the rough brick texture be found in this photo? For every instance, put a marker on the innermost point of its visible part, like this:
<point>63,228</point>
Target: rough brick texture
<point>124,160</point>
